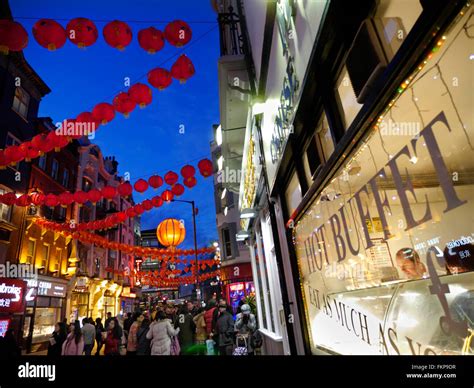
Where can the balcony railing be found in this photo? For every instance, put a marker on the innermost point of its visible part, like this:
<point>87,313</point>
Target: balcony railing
<point>230,33</point>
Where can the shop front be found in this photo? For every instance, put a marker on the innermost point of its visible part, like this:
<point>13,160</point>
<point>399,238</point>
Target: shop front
<point>12,305</point>
<point>238,284</point>
<point>385,247</point>
<point>45,306</point>
<point>128,301</point>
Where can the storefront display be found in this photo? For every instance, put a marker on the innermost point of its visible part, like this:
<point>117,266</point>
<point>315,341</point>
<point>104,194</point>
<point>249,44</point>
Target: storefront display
<point>389,241</point>
<point>236,292</point>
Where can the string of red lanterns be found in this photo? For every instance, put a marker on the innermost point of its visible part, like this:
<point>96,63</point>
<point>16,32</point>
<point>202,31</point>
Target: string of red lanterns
<point>124,189</point>
<point>157,281</point>
<point>83,33</point>
<point>87,123</point>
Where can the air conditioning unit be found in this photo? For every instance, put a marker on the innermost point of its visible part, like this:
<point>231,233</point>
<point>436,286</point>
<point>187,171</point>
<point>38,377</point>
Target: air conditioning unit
<point>374,46</point>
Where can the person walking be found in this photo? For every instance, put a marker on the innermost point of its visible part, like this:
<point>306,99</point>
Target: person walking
<point>245,326</point>
<point>113,339</point>
<point>187,328</point>
<point>99,330</point>
<point>160,333</point>
<point>132,340</point>
<point>74,344</point>
<point>201,333</point>
<point>57,339</point>
<point>208,316</point>
<point>107,321</point>
<point>127,323</point>
<point>224,329</point>
<point>88,332</point>
<point>143,343</point>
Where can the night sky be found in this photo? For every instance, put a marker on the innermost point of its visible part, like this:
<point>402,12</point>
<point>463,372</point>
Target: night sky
<point>149,141</point>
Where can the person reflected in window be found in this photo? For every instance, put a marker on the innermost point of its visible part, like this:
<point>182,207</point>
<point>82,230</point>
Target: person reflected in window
<point>410,264</point>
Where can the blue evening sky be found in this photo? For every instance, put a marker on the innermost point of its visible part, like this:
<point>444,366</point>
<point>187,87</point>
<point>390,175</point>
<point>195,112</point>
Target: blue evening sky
<point>148,141</point>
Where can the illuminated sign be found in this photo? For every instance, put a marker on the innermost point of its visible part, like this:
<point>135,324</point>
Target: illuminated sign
<point>11,295</point>
<point>4,326</point>
<point>236,287</point>
<point>46,288</point>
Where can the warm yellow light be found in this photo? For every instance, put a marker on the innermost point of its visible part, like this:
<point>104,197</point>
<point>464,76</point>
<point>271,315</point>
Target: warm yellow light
<point>170,232</point>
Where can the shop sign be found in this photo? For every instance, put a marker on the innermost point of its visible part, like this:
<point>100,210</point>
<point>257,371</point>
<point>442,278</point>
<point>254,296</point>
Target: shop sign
<point>11,295</point>
<point>236,286</point>
<point>126,293</point>
<point>4,323</point>
<point>47,288</point>
<point>82,284</point>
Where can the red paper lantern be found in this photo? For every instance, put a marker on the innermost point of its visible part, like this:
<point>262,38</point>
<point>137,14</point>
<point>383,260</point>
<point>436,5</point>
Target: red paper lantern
<point>125,189</point>
<point>157,201</point>
<point>15,154</point>
<point>86,123</point>
<point>37,199</point>
<point>155,181</point>
<point>141,185</point>
<point>70,129</point>
<point>51,200</point>
<point>58,141</point>
<point>4,160</point>
<point>205,167</point>
<point>121,217</point>
<point>13,37</point>
<point>31,152</point>
<point>177,189</point>
<point>182,69</point>
<point>65,199</point>
<point>82,32</point>
<point>178,33</point>
<point>159,78</point>
<point>130,212</point>
<point>109,192</point>
<point>117,34</point>
<point>141,94</point>
<point>94,196</point>
<point>151,40</point>
<point>124,104</point>
<point>188,171</point>
<point>138,209</point>
<point>80,197</point>
<point>190,182</point>
<point>9,198</point>
<point>171,178</point>
<point>42,143</point>
<point>147,205</point>
<point>49,34</point>
<point>103,113</point>
<point>23,200</point>
<point>167,196</point>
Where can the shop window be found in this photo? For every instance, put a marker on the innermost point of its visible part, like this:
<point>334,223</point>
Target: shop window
<point>79,305</point>
<point>395,220</point>
<point>65,180</point>
<point>348,100</point>
<point>54,169</point>
<point>30,251</point>
<point>21,101</point>
<point>5,211</point>
<point>42,162</point>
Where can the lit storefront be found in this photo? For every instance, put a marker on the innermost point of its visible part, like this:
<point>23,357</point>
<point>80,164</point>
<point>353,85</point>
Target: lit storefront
<point>128,301</point>
<point>12,305</point>
<point>384,248</point>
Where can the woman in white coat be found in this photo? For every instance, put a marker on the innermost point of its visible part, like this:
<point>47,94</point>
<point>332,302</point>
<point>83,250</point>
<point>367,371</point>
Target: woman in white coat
<point>160,333</point>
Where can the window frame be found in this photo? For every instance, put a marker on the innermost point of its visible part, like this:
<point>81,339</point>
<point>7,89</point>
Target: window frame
<point>16,106</point>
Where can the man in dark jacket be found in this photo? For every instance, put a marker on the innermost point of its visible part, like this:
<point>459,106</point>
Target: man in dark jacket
<point>127,323</point>
<point>143,344</point>
<point>187,329</point>
<point>225,330</point>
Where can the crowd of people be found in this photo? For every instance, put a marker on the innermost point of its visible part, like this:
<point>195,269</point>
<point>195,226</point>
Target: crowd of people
<point>166,329</point>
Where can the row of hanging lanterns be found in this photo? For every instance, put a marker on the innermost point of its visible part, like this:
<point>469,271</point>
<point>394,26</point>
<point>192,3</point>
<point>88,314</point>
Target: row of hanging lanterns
<point>83,33</point>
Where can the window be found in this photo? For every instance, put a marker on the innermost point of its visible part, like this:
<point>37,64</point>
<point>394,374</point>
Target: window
<point>293,194</point>
<point>227,243</point>
<point>57,262</point>
<point>30,251</point>
<point>62,213</point>
<point>44,257</point>
<point>5,211</point>
<point>54,169</point>
<point>65,181</point>
<point>21,102</point>
<point>42,162</point>
<point>349,105</point>
<point>12,140</point>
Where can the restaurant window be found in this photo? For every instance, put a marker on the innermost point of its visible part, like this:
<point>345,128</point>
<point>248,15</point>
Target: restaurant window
<point>65,180</point>
<point>79,305</point>
<point>47,314</point>
<point>395,221</point>
<point>54,169</point>
<point>42,162</point>
<point>30,251</point>
<point>21,101</point>
<point>5,211</point>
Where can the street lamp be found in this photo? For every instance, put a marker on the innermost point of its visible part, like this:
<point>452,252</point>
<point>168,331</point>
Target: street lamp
<point>198,292</point>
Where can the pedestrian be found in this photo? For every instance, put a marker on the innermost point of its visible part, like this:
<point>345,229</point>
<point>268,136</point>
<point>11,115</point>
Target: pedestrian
<point>107,321</point>
<point>8,345</point>
<point>245,326</point>
<point>88,332</point>
<point>74,344</point>
<point>201,333</point>
<point>57,339</point>
<point>127,323</point>
<point>225,329</point>
<point>187,328</point>
<point>208,316</point>
<point>143,343</point>
<point>113,339</point>
<point>160,333</point>
<point>99,330</point>
<point>192,308</point>
<point>132,340</point>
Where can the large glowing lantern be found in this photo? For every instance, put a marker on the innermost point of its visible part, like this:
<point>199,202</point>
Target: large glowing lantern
<point>171,232</point>
<point>49,34</point>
